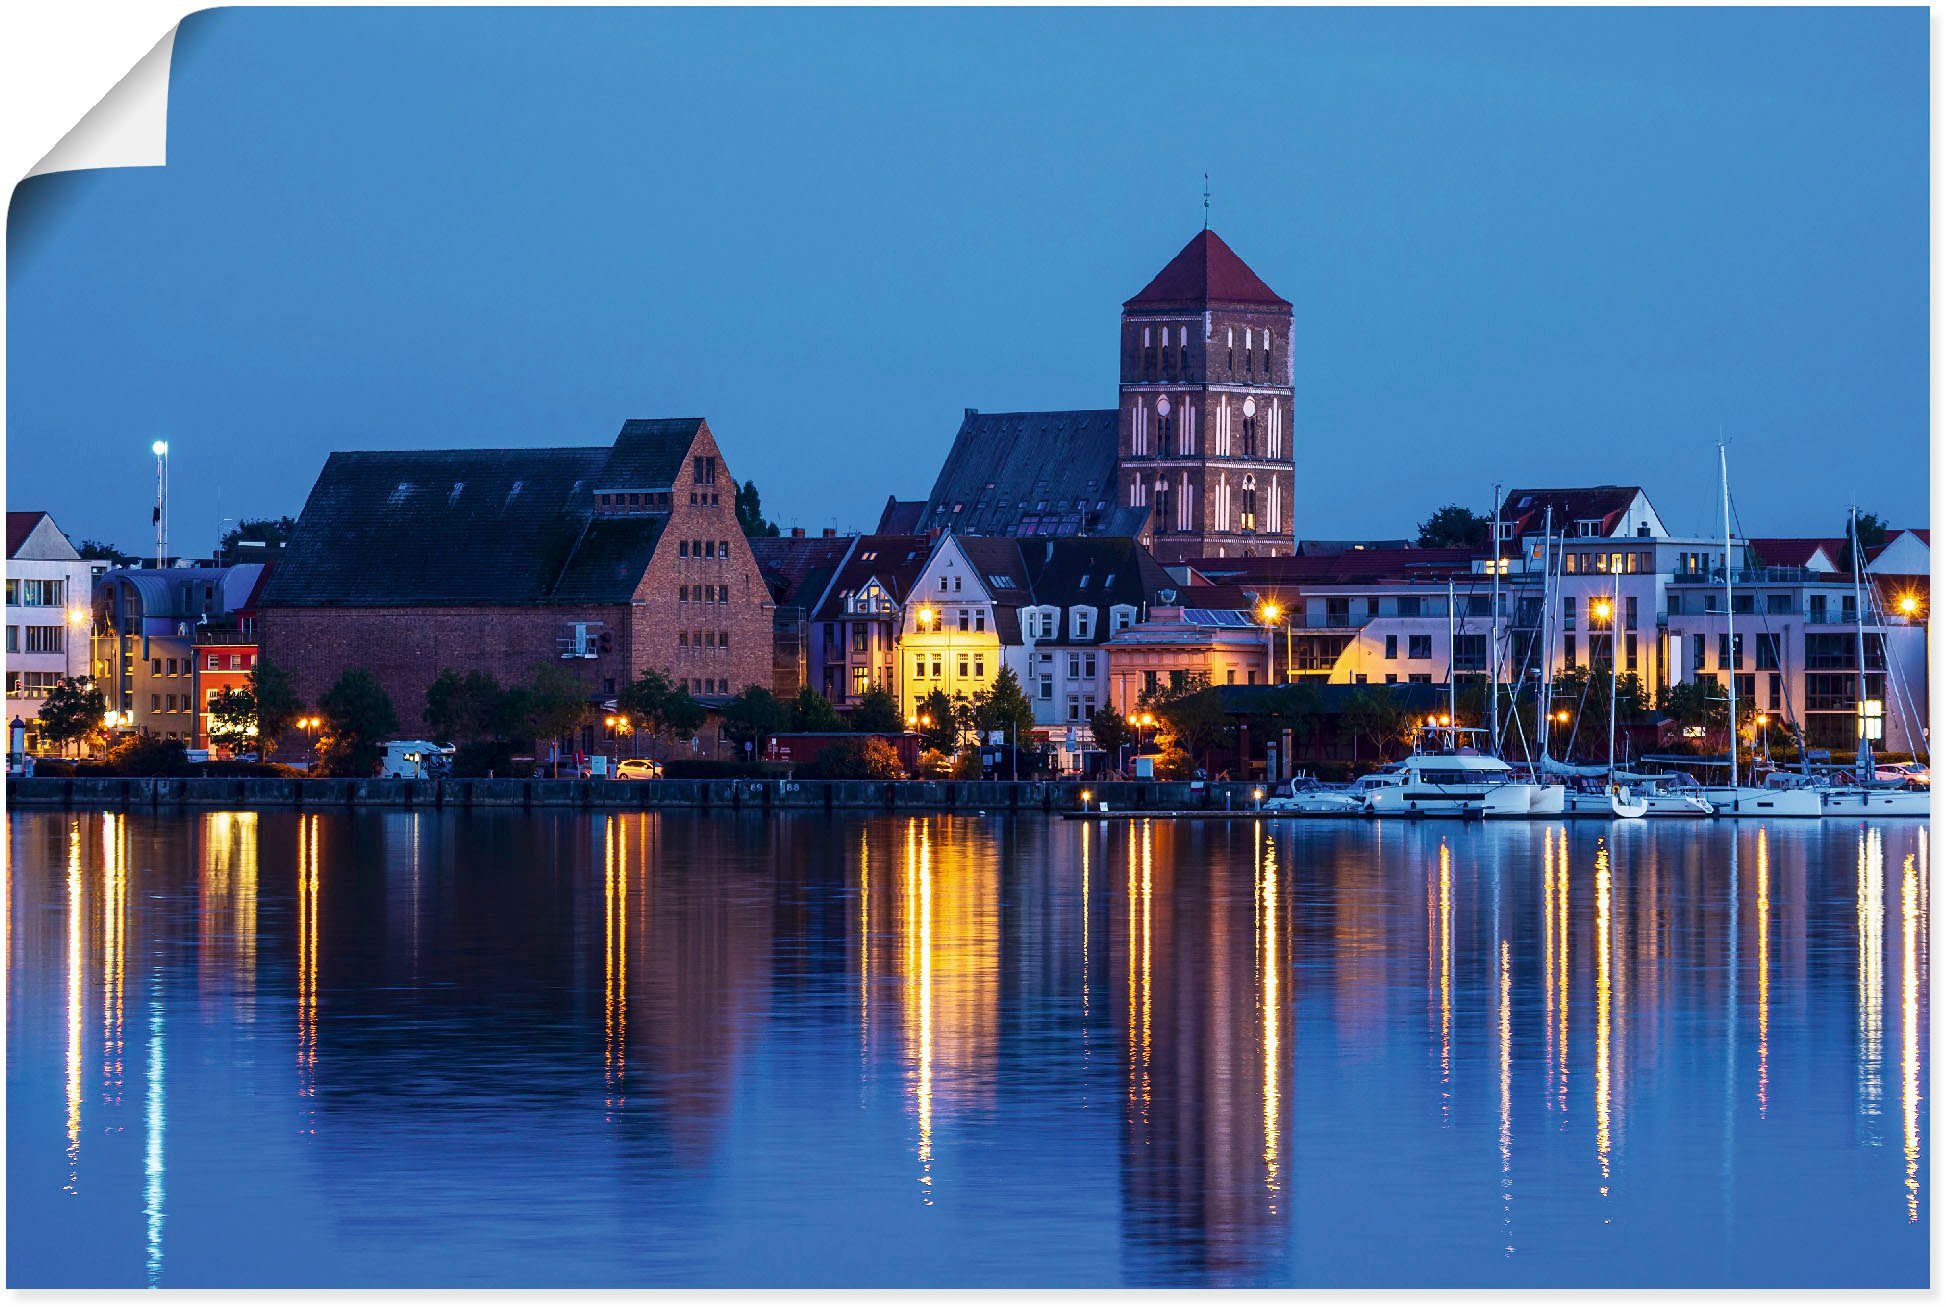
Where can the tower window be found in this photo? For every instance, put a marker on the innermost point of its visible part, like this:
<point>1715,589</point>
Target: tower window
<point>1165,435</point>
<point>1249,437</point>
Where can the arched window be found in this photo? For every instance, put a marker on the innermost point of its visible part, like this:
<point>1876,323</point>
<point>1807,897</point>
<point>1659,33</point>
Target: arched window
<point>1165,434</point>
<point>1164,515</point>
<point>1250,436</point>
<point>1247,515</point>
<point>1230,341</point>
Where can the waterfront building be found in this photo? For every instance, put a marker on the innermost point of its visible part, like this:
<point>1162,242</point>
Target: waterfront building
<point>607,561</point>
<point>1197,459</point>
<point>856,619</point>
<point>150,626</point>
<point>47,614</point>
<point>796,568</point>
<point>1208,634</point>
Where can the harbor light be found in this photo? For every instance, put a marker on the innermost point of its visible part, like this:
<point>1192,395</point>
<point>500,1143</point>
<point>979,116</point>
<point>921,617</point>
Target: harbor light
<point>1086,795</point>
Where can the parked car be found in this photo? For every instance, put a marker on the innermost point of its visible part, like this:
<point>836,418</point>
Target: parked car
<point>638,769</point>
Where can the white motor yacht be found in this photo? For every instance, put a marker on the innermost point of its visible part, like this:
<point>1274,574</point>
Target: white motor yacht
<point>1610,802</point>
<point>1838,798</point>
<point>1659,800</point>
<point>1307,796</point>
<point>1451,779</point>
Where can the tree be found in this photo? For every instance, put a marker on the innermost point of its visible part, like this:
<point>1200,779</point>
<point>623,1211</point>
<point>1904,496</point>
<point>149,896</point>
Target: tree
<point>1695,703</point>
<point>272,531</point>
<point>1455,527</point>
<point>358,716</point>
<point>1112,732</point>
<point>103,550</point>
<point>1872,531</point>
<point>555,705</point>
<point>877,711</point>
<point>661,707</point>
<point>866,759</point>
<point>1197,723</point>
<point>1377,716</point>
<point>233,720</point>
<point>72,711</point>
<point>752,714</point>
<point>1004,707</point>
<point>466,708</point>
<point>750,512</point>
<point>812,712</point>
<point>682,716</point>
<point>276,703</point>
<point>938,722</point>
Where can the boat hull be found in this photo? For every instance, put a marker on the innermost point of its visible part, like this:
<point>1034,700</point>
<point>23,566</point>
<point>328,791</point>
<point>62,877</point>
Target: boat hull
<point>1876,803</point>
<point>1752,801</point>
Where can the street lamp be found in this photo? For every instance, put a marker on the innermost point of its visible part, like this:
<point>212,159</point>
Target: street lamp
<point>1909,604</point>
<point>1270,613</point>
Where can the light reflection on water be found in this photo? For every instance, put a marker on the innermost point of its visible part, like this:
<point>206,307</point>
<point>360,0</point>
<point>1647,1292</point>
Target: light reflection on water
<point>441,1048</point>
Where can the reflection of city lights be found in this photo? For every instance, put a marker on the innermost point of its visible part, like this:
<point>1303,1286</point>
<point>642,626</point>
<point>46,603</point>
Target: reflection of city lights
<point>1871,970</point>
<point>1763,971</point>
<point>1604,1008</point>
<point>1909,1030</point>
<point>75,936</point>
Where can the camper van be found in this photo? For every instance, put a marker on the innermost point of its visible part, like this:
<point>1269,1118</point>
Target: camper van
<point>415,760</point>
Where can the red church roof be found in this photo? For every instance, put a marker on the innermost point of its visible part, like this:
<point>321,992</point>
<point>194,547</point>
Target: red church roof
<point>19,527</point>
<point>1207,272</point>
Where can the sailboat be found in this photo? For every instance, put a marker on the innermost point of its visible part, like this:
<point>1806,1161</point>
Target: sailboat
<point>1737,799</point>
<point>1611,800</point>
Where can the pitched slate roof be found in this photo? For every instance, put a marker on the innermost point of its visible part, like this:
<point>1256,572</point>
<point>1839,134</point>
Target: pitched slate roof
<point>796,569</point>
<point>1527,509</point>
<point>1101,571</point>
<point>1049,473</point>
<point>894,561</point>
<point>902,516</point>
<point>1207,271</point>
<point>460,527</point>
<point>1795,551</point>
<point>648,453</point>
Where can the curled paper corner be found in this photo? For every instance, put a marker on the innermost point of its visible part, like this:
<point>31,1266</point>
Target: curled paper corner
<point>128,128</point>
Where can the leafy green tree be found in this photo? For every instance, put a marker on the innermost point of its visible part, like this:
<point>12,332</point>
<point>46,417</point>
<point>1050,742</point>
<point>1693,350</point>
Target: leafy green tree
<point>1872,532</point>
<point>1695,703</point>
<point>466,708</point>
<point>750,512</point>
<point>274,531</point>
<point>358,716</point>
<point>939,722</point>
<point>276,703</point>
<point>1377,716</point>
<point>101,549</point>
<point>752,714</point>
<point>877,711</point>
<point>1455,527</point>
<point>233,720</point>
<point>1004,707</point>
<point>864,759</point>
<point>812,712</point>
<point>1197,723</point>
<point>682,716</point>
<point>645,700</point>
<point>1112,731</point>
<point>72,711</point>
<point>555,706</point>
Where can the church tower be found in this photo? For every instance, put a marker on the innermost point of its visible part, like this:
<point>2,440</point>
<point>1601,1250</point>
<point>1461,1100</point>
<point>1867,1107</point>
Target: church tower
<point>1205,439</point>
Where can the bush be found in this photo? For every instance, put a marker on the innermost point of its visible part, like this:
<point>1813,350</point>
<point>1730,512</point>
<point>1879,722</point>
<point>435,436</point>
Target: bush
<point>143,754</point>
<point>713,769</point>
<point>967,766</point>
<point>868,759</point>
<point>53,766</point>
<point>933,764</point>
<point>1175,765</point>
<point>485,757</point>
<point>231,767</point>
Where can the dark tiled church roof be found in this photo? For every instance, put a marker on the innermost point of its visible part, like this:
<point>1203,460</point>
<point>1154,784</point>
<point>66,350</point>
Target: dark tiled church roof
<point>1207,271</point>
<point>648,453</point>
<point>460,527</point>
<point>1031,474</point>
<point>796,569</point>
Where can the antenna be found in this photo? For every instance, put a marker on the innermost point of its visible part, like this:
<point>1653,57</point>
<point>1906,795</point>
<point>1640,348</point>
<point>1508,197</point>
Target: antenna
<point>1205,201</point>
<point>161,451</point>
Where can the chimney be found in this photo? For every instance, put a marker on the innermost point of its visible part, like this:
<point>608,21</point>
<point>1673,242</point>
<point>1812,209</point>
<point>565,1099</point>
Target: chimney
<point>830,533</point>
<point>972,413</point>
<point>797,533</point>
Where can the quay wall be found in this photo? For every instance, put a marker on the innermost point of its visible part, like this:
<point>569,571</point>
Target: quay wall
<point>702,795</point>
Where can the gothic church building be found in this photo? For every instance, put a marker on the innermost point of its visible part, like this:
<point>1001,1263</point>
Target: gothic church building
<point>1196,461</point>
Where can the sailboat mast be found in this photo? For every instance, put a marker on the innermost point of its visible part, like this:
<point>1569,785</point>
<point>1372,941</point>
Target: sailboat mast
<point>1862,762</point>
<point>1729,609</point>
<point>1493,634</point>
<point>1452,656</point>
<point>1614,662</point>
<point>1544,695</point>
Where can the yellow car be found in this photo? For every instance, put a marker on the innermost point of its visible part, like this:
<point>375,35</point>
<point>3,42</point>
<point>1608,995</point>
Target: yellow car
<point>638,769</point>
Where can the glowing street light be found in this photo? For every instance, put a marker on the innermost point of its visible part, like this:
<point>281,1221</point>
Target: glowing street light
<point>928,616</point>
<point>160,448</point>
<point>1909,604</point>
<point>1602,610</point>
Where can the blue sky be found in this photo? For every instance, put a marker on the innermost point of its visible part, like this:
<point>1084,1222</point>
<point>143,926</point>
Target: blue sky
<point>1525,246</point>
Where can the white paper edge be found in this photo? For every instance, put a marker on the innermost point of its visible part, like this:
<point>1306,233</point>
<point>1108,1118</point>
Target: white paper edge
<point>128,128</point>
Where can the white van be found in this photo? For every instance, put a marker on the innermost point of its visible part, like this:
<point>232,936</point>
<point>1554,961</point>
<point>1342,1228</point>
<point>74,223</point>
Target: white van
<point>415,760</point>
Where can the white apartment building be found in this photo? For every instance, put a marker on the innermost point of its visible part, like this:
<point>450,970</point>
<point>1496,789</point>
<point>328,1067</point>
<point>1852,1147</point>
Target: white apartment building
<point>48,612</point>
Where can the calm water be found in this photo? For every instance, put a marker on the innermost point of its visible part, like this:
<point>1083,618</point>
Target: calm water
<point>415,1048</point>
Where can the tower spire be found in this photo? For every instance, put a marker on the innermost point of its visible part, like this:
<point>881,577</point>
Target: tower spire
<point>1205,201</point>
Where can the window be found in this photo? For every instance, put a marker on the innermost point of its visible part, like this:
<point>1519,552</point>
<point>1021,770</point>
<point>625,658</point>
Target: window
<point>861,681</point>
<point>964,660</point>
<point>1418,646</point>
<point>979,665</point>
<point>44,639</point>
<point>1776,689</point>
<point>209,664</point>
<point>13,639</point>
<point>1337,612</point>
<point>1631,654</point>
<point>1470,653</point>
<point>1567,651</point>
<point>1567,612</point>
<point>1391,646</point>
<point>682,549</point>
<point>1728,654</point>
<point>1630,610</point>
<point>36,594</point>
<point>1698,655</point>
<point>1777,603</point>
<point>860,638</point>
<point>1046,687</point>
<point>1769,652</point>
<point>1817,614</point>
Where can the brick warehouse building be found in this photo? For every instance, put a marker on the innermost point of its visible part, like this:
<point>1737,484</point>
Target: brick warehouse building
<point>609,561</point>
<point>1198,459</point>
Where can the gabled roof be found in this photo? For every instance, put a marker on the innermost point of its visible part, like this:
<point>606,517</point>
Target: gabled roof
<point>1207,271</point>
<point>1050,473</point>
<point>796,569</point>
<point>1797,551</point>
<point>1096,571</point>
<point>648,453</point>
<point>894,561</point>
<point>460,527</point>
<point>19,527</point>
<point>902,516</point>
<point>1527,509</point>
